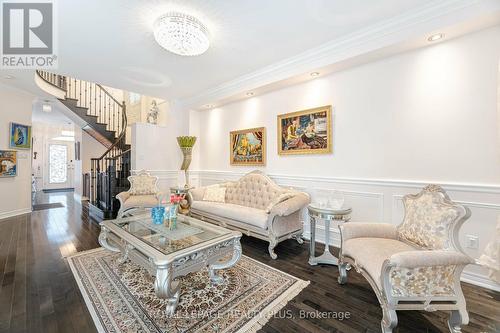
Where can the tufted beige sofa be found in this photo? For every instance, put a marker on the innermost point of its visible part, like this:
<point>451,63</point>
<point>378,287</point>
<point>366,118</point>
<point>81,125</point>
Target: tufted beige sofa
<point>256,206</point>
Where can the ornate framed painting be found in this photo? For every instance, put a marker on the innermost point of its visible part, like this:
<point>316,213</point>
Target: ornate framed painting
<point>305,132</point>
<point>19,136</point>
<point>248,147</point>
<point>8,163</point>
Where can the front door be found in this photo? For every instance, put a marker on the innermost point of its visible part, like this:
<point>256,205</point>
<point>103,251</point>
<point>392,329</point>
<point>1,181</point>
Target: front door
<point>59,166</point>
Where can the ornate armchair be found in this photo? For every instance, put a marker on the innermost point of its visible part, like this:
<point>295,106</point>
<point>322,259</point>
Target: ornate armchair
<point>413,266</point>
<point>143,193</point>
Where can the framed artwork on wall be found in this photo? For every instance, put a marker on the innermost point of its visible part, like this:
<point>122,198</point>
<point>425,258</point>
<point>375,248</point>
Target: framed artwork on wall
<point>305,132</point>
<point>248,147</point>
<point>19,136</point>
<point>8,163</point>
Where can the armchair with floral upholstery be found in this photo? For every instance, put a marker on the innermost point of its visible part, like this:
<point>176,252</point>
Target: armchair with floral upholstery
<point>143,193</point>
<point>413,266</point>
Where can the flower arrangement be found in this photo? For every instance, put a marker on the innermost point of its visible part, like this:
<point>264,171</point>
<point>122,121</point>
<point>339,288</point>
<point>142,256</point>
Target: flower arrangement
<point>175,199</point>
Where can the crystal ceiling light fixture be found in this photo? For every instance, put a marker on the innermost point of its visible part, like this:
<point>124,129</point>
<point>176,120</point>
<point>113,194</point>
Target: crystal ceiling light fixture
<point>181,34</point>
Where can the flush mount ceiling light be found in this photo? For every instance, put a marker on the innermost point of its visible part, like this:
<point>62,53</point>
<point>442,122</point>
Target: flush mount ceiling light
<point>46,108</point>
<point>435,37</point>
<point>314,74</point>
<point>209,106</point>
<point>181,34</point>
<point>250,93</point>
<point>67,133</point>
<point>8,77</point>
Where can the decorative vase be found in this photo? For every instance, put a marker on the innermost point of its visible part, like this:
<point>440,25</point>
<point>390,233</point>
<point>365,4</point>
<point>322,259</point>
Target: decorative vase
<point>157,214</point>
<point>173,217</point>
<point>186,144</point>
<point>187,153</point>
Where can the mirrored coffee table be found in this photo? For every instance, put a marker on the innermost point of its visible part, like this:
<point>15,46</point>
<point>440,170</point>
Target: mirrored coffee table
<point>169,254</point>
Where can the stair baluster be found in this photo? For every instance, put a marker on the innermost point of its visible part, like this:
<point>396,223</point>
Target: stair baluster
<point>109,172</point>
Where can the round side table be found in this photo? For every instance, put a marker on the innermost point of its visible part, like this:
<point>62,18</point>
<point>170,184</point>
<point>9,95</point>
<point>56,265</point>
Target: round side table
<point>328,215</point>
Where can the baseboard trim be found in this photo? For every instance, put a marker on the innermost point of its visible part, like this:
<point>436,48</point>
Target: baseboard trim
<point>480,281</point>
<point>16,212</point>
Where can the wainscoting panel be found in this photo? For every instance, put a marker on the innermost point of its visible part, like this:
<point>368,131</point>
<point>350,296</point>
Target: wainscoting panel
<point>378,201</point>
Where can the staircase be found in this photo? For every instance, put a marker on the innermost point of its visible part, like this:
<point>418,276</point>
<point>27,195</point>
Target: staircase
<point>106,121</point>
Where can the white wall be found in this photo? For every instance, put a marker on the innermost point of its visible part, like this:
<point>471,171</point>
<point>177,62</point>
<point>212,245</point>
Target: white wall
<point>429,115</point>
<point>15,107</point>
<point>155,148</point>
<point>89,148</point>
<point>426,115</point>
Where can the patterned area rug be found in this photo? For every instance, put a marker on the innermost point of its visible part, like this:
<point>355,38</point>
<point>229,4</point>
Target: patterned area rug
<point>121,298</point>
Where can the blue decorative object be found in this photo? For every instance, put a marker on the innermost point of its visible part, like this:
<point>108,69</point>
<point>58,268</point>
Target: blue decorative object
<point>157,214</point>
<point>173,216</point>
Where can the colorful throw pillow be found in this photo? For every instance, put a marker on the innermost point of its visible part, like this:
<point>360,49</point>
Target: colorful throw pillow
<point>215,193</point>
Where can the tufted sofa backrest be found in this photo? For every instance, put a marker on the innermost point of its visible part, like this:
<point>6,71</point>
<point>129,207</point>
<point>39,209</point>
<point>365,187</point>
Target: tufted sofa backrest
<point>253,190</point>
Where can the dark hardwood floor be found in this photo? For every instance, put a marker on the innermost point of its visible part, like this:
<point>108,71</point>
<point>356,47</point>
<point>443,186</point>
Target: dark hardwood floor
<point>38,292</point>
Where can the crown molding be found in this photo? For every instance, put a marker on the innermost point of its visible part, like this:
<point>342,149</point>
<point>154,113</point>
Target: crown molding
<point>399,29</point>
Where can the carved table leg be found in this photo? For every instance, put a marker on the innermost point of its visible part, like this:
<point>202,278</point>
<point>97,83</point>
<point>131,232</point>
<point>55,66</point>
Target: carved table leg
<point>166,288</point>
<point>103,240</point>
<point>214,277</point>
<point>312,242</point>
<point>124,257</point>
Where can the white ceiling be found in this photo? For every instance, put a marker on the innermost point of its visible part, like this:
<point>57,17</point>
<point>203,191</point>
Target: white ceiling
<point>111,42</point>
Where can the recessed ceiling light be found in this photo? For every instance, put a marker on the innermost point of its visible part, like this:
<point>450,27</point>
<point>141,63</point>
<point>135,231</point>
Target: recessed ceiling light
<point>181,34</point>
<point>209,106</point>
<point>435,37</point>
<point>46,108</point>
<point>314,74</point>
<point>250,93</point>
<point>67,133</point>
<point>8,77</point>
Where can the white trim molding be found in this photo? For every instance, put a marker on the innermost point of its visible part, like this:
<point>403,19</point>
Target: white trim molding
<point>16,212</point>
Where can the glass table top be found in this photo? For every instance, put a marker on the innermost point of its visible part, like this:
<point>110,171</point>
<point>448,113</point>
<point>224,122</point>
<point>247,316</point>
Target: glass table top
<point>189,231</point>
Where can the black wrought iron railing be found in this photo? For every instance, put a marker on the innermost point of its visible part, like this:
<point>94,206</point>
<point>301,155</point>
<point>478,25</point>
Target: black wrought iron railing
<point>109,171</point>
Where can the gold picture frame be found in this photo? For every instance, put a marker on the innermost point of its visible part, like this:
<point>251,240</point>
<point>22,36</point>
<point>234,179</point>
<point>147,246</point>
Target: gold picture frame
<point>306,132</point>
<point>248,146</point>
